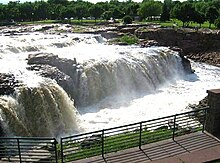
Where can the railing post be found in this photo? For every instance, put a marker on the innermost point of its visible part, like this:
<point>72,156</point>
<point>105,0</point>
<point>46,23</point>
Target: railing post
<point>204,120</point>
<point>19,149</point>
<point>61,152</point>
<point>55,146</point>
<point>103,156</point>
<point>174,126</point>
<point>140,135</point>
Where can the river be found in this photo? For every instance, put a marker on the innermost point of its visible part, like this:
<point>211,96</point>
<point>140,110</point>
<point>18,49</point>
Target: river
<point>117,84</point>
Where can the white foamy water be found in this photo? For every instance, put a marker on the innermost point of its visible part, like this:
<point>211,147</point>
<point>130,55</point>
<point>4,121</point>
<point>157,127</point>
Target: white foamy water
<point>172,93</point>
<point>168,100</point>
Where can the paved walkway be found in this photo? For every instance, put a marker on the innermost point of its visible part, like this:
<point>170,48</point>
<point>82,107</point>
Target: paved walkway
<point>192,148</point>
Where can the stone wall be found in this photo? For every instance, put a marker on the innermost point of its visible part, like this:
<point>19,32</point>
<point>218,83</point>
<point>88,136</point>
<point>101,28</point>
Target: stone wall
<point>213,114</point>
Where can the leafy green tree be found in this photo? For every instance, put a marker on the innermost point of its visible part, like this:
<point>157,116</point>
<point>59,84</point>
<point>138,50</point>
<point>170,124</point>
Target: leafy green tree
<point>67,12</point>
<point>107,15</point>
<point>201,7</point>
<point>26,9</point>
<point>167,6</point>
<point>199,18</point>
<point>41,11</point>
<point>217,23</point>
<point>184,12</point>
<point>96,11</point>
<point>12,11</point>
<point>211,15</point>
<point>165,13</point>
<point>81,11</point>
<point>55,11</point>
<point>117,13</point>
<point>150,8</point>
<point>62,2</point>
<point>2,12</point>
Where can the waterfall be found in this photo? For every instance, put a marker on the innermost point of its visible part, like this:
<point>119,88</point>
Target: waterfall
<point>111,85</point>
<point>40,111</point>
<point>127,75</point>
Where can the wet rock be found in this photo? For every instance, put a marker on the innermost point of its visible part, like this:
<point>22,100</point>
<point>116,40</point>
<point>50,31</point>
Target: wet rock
<point>7,83</point>
<point>148,43</point>
<point>65,71</point>
<point>64,80</point>
<point>185,62</point>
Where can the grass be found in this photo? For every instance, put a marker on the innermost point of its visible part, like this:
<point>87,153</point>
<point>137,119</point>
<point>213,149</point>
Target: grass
<point>180,24</point>
<point>126,39</point>
<point>92,22</point>
<point>116,143</point>
<point>121,141</point>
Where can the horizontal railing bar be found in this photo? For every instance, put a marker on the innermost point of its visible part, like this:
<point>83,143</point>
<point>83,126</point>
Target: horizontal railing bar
<point>29,138</point>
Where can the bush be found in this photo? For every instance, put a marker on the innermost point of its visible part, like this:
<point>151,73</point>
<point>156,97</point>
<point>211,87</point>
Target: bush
<point>127,19</point>
<point>217,23</point>
<point>129,39</point>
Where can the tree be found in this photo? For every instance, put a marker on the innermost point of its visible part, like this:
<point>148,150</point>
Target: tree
<point>41,11</point>
<point>107,15</point>
<point>117,13</point>
<point>81,11</point>
<point>211,15</point>
<point>26,10</point>
<point>165,13</point>
<point>217,23</point>
<point>62,2</point>
<point>150,8</point>
<point>96,11</point>
<point>67,12</point>
<point>199,18</point>
<point>12,11</point>
<point>184,12</point>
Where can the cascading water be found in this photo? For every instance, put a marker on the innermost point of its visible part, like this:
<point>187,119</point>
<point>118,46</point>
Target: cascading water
<point>45,110</point>
<point>111,85</point>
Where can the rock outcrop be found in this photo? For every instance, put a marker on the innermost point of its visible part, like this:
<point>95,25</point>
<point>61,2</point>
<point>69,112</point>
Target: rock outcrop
<point>65,71</point>
<point>7,83</point>
<point>190,41</point>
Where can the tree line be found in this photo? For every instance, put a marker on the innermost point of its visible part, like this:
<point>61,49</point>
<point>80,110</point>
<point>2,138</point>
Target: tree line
<point>197,11</point>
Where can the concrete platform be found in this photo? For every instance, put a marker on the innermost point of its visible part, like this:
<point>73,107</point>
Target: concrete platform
<point>191,148</point>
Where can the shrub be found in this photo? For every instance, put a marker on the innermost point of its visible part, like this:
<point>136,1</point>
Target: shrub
<point>127,19</point>
<point>129,39</point>
<point>217,23</point>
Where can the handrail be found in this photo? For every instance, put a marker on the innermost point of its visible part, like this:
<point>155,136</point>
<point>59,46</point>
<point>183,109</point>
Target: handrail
<point>108,140</point>
<point>101,142</point>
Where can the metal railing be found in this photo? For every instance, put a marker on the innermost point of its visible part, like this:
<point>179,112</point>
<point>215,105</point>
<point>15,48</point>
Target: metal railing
<point>102,142</point>
<point>114,139</point>
<point>28,150</point>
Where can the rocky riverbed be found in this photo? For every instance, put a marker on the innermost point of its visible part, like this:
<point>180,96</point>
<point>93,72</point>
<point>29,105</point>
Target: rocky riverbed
<point>198,45</point>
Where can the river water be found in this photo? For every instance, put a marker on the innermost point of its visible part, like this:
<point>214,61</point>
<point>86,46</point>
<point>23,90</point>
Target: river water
<point>118,84</point>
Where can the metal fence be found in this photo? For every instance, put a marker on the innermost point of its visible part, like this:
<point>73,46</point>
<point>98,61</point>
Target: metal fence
<point>119,138</point>
<point>28,150</point>
<point>101,142</point>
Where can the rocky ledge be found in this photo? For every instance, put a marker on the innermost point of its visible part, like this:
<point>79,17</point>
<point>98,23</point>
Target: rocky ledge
<point>201,45</point>
<point>65,71</point>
